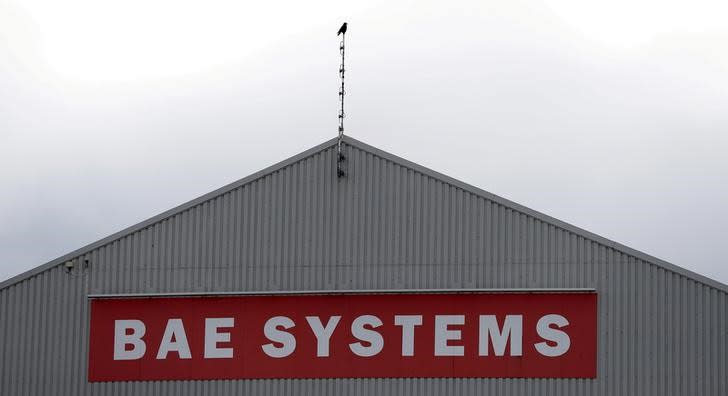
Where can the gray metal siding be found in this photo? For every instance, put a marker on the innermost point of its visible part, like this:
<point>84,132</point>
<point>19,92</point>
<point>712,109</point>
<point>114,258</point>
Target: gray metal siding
<point>386,226</point>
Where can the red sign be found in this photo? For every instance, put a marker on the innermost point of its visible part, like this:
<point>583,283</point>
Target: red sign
<point>517,335</point>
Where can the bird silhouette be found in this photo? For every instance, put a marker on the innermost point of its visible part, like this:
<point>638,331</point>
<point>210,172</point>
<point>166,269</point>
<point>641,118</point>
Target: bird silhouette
<point>342,29</point>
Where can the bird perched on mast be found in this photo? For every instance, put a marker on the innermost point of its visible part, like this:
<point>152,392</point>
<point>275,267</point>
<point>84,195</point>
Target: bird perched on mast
<point>342,29</point>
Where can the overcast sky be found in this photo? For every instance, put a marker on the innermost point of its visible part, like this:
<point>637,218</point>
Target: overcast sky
<point>612,116</point>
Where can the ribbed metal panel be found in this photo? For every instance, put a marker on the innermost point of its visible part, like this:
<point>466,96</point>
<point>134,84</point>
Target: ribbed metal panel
<point>388,225</point>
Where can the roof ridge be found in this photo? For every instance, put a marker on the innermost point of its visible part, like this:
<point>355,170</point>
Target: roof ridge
<point>390,157</point>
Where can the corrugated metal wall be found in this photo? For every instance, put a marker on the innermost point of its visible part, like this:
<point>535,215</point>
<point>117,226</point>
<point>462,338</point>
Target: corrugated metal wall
<point>386,226</point>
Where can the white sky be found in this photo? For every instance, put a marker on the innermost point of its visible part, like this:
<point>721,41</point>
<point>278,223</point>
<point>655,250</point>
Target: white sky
<point>612,116</point>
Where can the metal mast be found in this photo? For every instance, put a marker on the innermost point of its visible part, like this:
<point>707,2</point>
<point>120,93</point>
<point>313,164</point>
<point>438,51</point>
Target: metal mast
<point>339,155</point>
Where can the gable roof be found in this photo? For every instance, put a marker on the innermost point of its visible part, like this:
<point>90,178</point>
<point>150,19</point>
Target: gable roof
<point>395,159</point>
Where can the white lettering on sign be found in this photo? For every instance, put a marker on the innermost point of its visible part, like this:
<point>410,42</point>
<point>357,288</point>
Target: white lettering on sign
<point>443,334</point>
<point>129,335</point>
<point>489,331</point>
<point>373,338</point>
<point>286,339</point>
<point>213,337</point>
<point>322,333</point>
<point>408,323</point>
<point>560,338</point>
<point>174,340</point>
<point>122,339</point>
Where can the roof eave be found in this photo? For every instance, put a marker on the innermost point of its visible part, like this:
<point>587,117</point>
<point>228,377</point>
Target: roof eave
<point>541,216</point>
<point>169,213</point>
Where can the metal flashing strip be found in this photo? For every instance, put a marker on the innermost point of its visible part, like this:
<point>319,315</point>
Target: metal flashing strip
<point>362,291</point>
<point>538,215</point>
<point>167,214</point>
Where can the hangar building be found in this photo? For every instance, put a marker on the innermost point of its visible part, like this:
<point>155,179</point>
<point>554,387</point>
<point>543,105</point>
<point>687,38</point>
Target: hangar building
<point>393,279</point>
